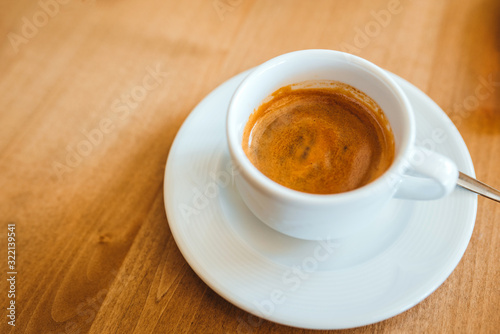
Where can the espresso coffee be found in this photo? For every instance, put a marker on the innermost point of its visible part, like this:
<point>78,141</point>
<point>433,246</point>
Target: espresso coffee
<point>320,137</point>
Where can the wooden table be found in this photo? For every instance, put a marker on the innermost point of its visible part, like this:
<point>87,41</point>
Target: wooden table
<point>93,93</point>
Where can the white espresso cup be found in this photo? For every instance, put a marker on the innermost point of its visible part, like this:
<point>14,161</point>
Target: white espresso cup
<point>415,174</point>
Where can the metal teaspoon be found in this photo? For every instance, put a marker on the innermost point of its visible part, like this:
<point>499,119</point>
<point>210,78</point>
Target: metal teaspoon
<point>478,187</point>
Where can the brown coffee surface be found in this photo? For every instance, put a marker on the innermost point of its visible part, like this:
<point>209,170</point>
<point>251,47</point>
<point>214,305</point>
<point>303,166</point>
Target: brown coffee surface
<point>324,138</point>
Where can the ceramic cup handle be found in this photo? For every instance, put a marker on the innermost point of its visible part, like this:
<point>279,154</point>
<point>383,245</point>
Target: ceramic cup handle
<point>429,176</point>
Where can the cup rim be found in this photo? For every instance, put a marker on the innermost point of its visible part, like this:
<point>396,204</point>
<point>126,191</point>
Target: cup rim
<point>258,179</point>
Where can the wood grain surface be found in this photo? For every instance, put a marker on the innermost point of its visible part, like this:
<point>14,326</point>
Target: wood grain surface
<point>92,94</point>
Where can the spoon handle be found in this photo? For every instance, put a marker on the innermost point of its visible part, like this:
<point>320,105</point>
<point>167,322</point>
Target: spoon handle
<point>478,187</point>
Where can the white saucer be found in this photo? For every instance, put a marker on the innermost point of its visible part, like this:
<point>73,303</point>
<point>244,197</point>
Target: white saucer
<point>339,284</point>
